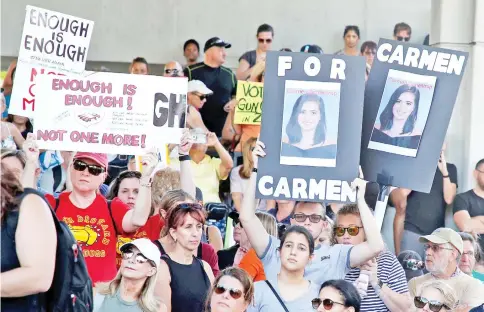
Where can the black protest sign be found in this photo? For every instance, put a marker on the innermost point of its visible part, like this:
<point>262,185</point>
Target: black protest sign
<point>311,126</point>
<point>409,98</point>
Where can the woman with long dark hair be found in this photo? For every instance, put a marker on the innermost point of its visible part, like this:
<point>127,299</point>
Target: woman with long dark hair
<point>337,296</point>
<point>23,124</point>
<point>306,131</point>
<point>398,120</point>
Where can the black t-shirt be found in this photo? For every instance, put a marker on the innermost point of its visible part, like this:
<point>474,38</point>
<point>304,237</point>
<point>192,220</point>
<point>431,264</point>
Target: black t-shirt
<point>223,83</point>
<point>473,204</point>
<point>250,57</point>
<point>226,257</point>
<point>426,212</point>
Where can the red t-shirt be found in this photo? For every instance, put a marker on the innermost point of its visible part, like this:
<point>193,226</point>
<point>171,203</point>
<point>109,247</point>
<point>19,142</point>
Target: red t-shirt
<point>94,231</point>
<point>150,230</point>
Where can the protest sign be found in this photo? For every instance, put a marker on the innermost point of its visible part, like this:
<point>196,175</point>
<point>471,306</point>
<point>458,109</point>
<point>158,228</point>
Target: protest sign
<point>52,43</point>
<point>248,110</point>
<point>409,98</point>
<point>110,113</point>
<point>311,126</point>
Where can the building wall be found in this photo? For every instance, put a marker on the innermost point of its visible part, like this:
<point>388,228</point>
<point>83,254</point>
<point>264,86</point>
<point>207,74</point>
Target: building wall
<point>157,29</point>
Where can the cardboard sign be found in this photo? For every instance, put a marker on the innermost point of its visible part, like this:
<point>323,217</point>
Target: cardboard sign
<point>110,113</point>
<point>249,103</point>
<point>52,43</point>
<point>311,126</point>
<point>409,99</point>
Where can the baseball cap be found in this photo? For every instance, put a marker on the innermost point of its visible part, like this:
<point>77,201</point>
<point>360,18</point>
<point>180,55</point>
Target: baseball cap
<point>99,158</point>
<point>216,42</point>
<point>412,263</point>
<point>198,86</point>
<point>442,236</point>
<point>146,247</point>
<point>312,48</point>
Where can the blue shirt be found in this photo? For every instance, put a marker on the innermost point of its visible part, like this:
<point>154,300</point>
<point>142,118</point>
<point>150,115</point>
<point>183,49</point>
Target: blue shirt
<point>286,220</point>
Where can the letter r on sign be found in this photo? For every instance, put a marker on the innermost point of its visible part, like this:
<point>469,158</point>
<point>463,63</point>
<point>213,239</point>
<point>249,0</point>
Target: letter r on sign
<point>284,63</point>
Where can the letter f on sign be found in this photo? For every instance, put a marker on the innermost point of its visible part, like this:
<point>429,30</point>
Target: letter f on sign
<point>284,63</point>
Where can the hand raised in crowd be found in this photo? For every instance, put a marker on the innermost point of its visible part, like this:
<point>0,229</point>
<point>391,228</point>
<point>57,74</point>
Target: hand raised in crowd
<point>212,139</point>
<point>359,185</point>
<point>258,151</point>
<point>149,161</point>
<point>186,143</point>
<point>31,149</point>
<point>370,268</point>
<point>442,164</point>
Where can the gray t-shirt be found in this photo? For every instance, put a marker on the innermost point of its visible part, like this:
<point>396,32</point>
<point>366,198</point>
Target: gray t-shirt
<point>114,304</point>
<point>329,262</point>
<point>266,301</point>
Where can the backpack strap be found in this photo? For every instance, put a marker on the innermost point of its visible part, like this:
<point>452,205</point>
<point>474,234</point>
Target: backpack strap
<point>199,251</point>
<point>112,218</point>
<point>277,295</point>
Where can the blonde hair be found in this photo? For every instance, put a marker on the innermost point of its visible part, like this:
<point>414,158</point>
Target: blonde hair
<point>268,221</point>
<point>146,301</point>
<point>248,164</point>
<point>163,181</point>
<point>445,289</point>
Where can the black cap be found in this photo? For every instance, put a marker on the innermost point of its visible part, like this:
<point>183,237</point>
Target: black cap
<point>216,42</point>
<point>312,48</point>
<point>412,263</point>
<point>234,215</point>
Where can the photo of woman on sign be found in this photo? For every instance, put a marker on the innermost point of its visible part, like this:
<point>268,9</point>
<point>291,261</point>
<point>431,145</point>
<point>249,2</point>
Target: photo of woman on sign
<point>305,139</point>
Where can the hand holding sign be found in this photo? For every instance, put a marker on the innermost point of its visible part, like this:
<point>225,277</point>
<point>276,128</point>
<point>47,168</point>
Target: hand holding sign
<point>31,149</point>
<point>442,164</point>
<point>258,151</point>
<point>359,185</point>
<point>186,143</point>
<point>149,161</point>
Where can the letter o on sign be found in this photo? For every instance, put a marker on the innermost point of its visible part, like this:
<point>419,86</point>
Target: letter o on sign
<point>313,62</point>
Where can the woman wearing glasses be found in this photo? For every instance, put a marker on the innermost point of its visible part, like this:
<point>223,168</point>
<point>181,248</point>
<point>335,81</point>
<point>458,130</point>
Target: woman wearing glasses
<point>289,291</point>
<point>435,296</point>
<point>265,34</point>
<point>184,280</point>
<point>381,282</point>
<point>232,291</point>
<point>133,287</point>
<point>337,296</point>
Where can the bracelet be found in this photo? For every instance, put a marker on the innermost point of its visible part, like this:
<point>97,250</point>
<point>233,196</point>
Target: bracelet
<point>184,157</point>
<point>146,184</point>
<point>446,176</point>
<point>254,170</point>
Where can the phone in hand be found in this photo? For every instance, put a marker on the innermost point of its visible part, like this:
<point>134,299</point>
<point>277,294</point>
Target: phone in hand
<point>198,136</point>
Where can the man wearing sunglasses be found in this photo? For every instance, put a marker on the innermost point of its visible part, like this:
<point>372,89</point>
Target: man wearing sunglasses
<point>221,80</point>
<point>443,251</point>
<point>329,262</point>
<point>94,222</point>
<point>265,35</point>
<point>173,69</point>
<point>402,32</point>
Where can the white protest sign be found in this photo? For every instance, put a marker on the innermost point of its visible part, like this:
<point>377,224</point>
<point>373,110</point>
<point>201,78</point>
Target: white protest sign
<point>52,43</point>
<point>110,113</point>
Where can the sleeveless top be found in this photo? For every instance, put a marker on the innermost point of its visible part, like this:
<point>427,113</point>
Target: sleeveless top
<point>8,142</point>
<point>10,261</point>
<point>107,303</point>
<point>189,285</point>
<point>402,141</point>
<point>326,151</point>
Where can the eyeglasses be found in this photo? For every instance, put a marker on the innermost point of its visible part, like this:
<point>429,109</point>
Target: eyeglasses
<point>234,293</point>
<point>434,306</point>
<point>139,257</point>
<point>399,38</point>
<point>352,230</point>
<point>435,248</point>
<point>173,72</point>
<point>301,217</point>
<point>327,303</point>
<point>469,253</point>
<point>262,40</point>
<point>95,170</point>
<point>189,206</point>
<point>202,96</point>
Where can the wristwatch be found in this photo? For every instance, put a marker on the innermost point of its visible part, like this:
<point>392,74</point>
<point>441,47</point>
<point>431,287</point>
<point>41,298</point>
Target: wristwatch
<point>380,283</point>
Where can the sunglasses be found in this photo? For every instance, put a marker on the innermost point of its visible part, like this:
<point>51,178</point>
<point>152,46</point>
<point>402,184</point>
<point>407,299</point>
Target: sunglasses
<point>434,306</point>
<point>435,248</point>
<point>399,38</point>
<point>139,257</point>
<point>173,72</point>
<point>234,293</point>
<point>261,40</point>
<point>189,206</point>
<point>352,230</point>
<point>327,303</point>
<point>202,96</point>
<point>301,217</point>
<point>95,170</point>
<point>237,222</point>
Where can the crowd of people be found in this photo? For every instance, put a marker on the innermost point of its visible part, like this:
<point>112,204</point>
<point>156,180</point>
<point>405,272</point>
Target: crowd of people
<point>190,235</point>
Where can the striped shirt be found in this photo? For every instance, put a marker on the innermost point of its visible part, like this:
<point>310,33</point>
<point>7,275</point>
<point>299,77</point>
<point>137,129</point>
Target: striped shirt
<point>390,272</point>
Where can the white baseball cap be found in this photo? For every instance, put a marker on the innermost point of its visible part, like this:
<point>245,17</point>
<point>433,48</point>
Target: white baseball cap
<point>198,86</point>
<point>146,247</point>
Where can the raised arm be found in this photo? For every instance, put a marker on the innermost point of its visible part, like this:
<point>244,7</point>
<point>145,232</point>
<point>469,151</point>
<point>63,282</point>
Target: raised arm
<point>256,233</point>
<point>449,188</point>
<point>31,151</point>
<point>227,162</point>
<point>186,177</point>
<point>399,199</point>
<point>373,245</point>
<point>17,136</point>
<point>137,217</point>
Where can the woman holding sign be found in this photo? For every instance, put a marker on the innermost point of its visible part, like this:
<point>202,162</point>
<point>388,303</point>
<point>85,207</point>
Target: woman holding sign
<point>306,130</point>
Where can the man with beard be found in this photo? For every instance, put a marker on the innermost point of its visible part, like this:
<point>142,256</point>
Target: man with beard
<point>443,251</point>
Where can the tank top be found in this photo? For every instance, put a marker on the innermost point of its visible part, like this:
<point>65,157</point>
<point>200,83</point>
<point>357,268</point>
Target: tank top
<point>8,142</point>
<point>115,304</point>
<point>189,285</point>
<point>10,261</point>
